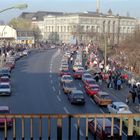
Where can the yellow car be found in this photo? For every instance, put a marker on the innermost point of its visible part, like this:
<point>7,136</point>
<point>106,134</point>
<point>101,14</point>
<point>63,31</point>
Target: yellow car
<point>136,125</point>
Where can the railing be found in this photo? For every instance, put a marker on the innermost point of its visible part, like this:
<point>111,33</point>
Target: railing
<point>47,126</point>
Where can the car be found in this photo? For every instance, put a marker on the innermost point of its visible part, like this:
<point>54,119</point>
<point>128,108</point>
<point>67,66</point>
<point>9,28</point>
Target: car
<point>64,72</point>
<point>102,98</point>
<point>75,67</point>
<point>118,108</point>
<point>5,72</point>
<point>10,64</point>
<point>9,121</point>
<point>89,82</point>
<point>5,89</point>
<point>76,97</point>
<point>77,74</point>
<point>68,87</point>
<point>92,90</point>
<point>66,78</point>
<point>25,52</point>
<point>86,76</point>
<point>136,125</point>
<point>64,67</point>
<point>103,130</point>
<point>4,79</point>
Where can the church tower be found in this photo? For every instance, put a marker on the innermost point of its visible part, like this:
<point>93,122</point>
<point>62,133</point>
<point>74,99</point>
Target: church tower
<point>98,6</point>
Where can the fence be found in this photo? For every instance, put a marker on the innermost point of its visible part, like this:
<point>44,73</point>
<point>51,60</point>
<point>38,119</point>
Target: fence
<point>25,124</point>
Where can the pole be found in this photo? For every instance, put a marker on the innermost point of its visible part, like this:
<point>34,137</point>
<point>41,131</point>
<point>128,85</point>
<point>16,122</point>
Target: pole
<point>105,51</point>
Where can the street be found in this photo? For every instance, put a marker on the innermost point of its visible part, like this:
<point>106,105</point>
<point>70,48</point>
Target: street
<point>37,90</point>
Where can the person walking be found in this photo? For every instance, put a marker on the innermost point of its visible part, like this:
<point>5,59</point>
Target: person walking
<point>71,60</point>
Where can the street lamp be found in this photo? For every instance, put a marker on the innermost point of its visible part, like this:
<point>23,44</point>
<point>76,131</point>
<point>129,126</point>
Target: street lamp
<point>17,6</point>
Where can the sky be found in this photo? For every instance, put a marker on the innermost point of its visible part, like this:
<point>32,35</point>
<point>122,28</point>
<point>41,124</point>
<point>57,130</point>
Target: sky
<point>120,7</point>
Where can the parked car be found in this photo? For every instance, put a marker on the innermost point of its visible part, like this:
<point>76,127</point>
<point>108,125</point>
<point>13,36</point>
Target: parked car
<point>9,121</point>
<point>92,90</point>
<point>68,87</point>
<point>76,97</point>
<point>118,108</point>
<point>66,78</point>
<point>136,125</point>
<point>5,89</point>
<point>102,98</point>
<point>5,72</point>
<point>103,132</point>
<point>4,79</point>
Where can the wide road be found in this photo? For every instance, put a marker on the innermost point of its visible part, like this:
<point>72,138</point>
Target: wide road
<point>36,90</point>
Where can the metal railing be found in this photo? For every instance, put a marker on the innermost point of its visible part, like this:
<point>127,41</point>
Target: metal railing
<point>45,125</point>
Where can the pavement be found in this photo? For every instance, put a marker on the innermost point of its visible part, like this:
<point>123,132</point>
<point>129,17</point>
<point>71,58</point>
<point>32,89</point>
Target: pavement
<point>122,95</point>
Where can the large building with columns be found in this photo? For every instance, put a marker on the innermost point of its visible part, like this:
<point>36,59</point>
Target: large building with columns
<point>89,26</point>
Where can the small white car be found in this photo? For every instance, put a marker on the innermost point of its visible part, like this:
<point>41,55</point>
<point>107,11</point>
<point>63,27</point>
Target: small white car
<point>66,78</point>
<point>118,108</point>
<point>5,89</point>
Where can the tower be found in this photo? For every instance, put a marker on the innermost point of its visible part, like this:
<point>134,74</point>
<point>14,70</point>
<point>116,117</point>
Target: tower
<point>98,6</point>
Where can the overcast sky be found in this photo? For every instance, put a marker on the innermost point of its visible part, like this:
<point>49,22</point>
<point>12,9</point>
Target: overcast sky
<point>117,6</point>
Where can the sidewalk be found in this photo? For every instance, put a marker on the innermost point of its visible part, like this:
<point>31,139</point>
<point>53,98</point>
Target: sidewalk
<point>122,95</point>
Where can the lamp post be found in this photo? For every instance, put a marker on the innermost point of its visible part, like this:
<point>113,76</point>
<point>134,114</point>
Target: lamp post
<point>17,6</point>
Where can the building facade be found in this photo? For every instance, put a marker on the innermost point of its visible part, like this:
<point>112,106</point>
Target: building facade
<point>89,27</point>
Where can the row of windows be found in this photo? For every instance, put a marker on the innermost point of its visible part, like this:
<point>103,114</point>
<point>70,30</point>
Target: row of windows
<point>87,28</point>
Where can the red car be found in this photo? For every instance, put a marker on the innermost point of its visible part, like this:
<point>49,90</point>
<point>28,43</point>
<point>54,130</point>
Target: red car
<point>10,65</point>
<point>77,74</point>
<point>64,72</point>
<point>5,79</point>
<point>92,90</point>
<point>89,82</point>
<point>9,121</point>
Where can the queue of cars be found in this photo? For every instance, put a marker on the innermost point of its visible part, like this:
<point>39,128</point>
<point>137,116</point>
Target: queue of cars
<point>6,86</point>
<point>100,97</point>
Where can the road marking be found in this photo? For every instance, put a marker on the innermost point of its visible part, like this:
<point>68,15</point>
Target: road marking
<point>50,76</point>
<point>66,110</point>
<point>51,81</point>
<point>54,88</point>
<point>50,71</point>
<point>80,85</point>
<point>81,133</point>
<point>124,133</point>
<point>92,101</point>
<point>51,64</point>
<point>102,111</point>
<point>59,92</point>
<point>58,98</point>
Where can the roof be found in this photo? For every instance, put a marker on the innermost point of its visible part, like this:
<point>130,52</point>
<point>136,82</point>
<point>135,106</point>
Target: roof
<point>4,108</point>
<point>103,93</point>
<point>120,104</point>
<point>77,91</point>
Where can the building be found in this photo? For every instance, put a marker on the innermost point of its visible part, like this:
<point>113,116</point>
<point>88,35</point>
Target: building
<point>7,34</point>
<point>89,26</point>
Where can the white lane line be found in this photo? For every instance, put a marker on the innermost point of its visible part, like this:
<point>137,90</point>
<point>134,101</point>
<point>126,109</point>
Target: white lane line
<point>50,71</point>
<point>59,92</point>
<point>58,98</point>
<point>102,111</point>
<point>81,133</point>
<point>66,110</point>
<point>80,85</point>
<point>124,133</point>
<point>54,88</point>
<point>51,64</point>
<point>92,101</point>
<point>51,81</point>
<point>50,76</point>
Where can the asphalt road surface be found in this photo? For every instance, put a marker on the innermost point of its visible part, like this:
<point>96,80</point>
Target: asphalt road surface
<point>36,90</point>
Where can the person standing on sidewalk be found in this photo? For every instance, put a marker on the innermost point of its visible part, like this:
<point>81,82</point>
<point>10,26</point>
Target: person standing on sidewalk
<point>138,95</point>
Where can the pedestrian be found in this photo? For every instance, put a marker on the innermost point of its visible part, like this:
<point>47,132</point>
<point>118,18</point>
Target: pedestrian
<point>119,82</point>
<point>129,98</point>
<point>71,60</point>
<point>133,92</point>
